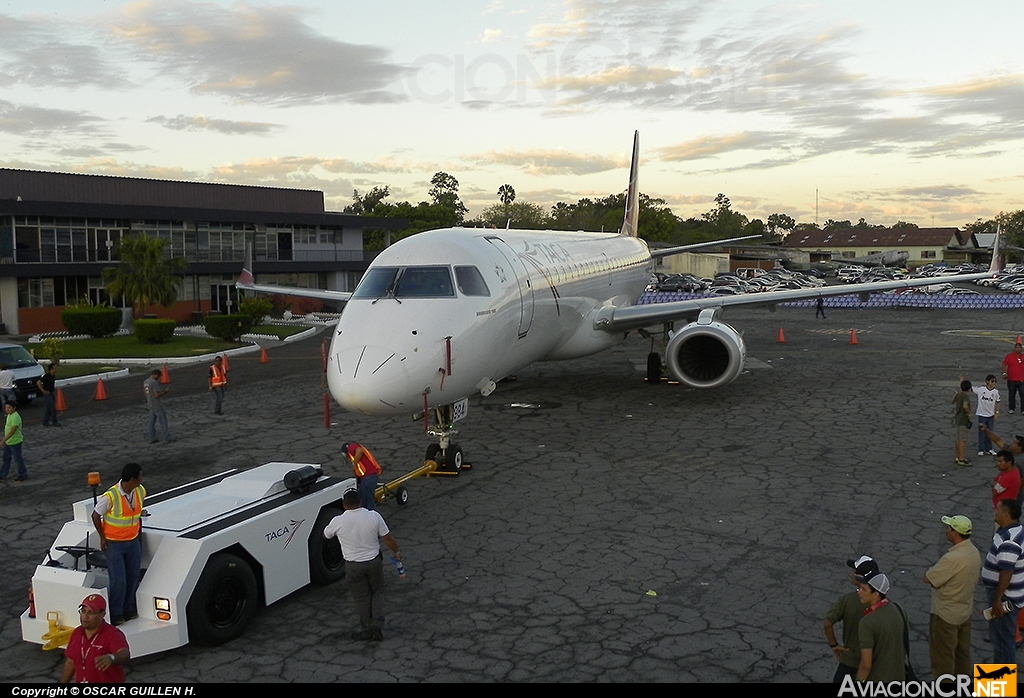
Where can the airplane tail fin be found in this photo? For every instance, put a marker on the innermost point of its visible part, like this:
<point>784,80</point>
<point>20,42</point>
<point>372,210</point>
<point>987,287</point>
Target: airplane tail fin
<point>246,279</point>
<point>997,263</point>
<point>633,193</point>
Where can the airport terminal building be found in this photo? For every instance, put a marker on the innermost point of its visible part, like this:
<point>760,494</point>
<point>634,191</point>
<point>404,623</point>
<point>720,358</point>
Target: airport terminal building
<point>58,231</point>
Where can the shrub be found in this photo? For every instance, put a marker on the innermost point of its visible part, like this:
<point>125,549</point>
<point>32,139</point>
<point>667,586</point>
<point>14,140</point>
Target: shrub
<point>95,321</point>
<point>227,327</point>
<point>256,308</point>
<point>156,331</point>
<point>53,349</point>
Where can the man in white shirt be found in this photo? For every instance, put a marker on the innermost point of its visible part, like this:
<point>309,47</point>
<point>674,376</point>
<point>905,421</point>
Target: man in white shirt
<point>360,531</point>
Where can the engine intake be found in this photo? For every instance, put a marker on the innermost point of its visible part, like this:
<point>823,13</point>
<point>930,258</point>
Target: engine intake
<point>706,355</point>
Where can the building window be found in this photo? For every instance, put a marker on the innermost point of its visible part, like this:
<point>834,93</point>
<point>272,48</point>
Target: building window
<point>928,254</point>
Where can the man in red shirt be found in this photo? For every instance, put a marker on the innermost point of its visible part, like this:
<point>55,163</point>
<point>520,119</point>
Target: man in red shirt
<point>1007,483</point>
<point>366,470</point>
<point>1013,372</point>
<point>97,651</point>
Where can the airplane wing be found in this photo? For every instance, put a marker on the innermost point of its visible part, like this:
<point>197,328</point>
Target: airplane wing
<point>246,283</point>
<point>697,246</point>
<point>634,317</point>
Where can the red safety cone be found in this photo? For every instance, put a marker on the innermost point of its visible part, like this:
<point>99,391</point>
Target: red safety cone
<point>782,337</point>
<point>101,392</point>
<point>263,356</point>
<point>61,405</point>
<point>1018,340</point>
<point>224,362</point>
<point>165,378</point>
<point>853,336</point>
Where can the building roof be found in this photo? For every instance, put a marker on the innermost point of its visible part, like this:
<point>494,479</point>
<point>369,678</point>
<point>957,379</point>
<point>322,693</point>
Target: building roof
<point>890,238</point>
<point>30,185</point>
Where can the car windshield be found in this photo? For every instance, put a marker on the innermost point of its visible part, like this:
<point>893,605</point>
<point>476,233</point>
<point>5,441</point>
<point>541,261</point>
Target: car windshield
<point>407,282</point>
<point>14,357</point>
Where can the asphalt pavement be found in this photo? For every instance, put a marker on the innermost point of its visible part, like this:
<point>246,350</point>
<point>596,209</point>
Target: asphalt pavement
<point>609,530</point>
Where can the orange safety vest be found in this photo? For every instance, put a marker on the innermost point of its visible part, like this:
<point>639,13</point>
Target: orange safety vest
<point>367,465</point>
<point>217,376</point>
<point>123,521</point>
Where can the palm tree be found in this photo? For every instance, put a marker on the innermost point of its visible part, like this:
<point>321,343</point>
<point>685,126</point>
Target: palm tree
<point>145,276</point>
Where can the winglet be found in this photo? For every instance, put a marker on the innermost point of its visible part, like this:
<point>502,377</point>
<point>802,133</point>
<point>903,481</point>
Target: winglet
<point>629,223</point>
<point>245,279</point>
<point>997,263</point>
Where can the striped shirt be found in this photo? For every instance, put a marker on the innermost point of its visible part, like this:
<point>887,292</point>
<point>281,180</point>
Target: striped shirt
<point>1006,553</point>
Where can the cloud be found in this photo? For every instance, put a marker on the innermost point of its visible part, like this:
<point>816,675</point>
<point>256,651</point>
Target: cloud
<point>290,168</point>
<point>40,121</point>
<point>32,53</point>
<point>549,162</point>
<point>266,55</point>
<point>202,123</point>
<point>707,146</point>
<point>489,36</point>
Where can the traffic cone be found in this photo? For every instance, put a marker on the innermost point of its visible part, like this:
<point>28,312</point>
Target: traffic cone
<point>782,337</point>
<point>61,405</point>
<point>853,336</point>
<point>101,392</point>
<point>1018,340</point>
<point>164,377</point>
<point>224,362</point>
<point>263,356</point>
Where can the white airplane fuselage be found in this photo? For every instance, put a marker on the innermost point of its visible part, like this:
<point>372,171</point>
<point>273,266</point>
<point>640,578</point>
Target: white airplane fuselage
<point>422,345</point>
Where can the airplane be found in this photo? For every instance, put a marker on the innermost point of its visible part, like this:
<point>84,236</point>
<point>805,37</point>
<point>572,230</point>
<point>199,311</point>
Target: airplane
<point>889,258</point>
<point>995,673</point>
<point>446,314</point>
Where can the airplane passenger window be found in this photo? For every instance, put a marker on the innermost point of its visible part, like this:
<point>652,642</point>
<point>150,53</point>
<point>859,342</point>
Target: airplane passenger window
<point>471,282</point>
<point>425,282</point>
<point>375,282</point>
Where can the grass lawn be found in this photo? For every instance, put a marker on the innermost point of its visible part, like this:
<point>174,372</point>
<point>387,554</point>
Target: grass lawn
<point>65,371</point>
<point>128,347</point>
<point>279,331</point>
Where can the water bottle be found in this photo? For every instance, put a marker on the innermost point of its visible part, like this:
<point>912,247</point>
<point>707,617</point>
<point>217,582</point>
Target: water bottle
<point>401,568</point>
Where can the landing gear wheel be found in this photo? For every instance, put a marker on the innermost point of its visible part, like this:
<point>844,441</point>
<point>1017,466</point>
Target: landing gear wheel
<point>432,452</point>
<point>453,458</point>
<point>401,496</point>
<point>326,563</point>
<point>653,367</point>
<point>224,600</point>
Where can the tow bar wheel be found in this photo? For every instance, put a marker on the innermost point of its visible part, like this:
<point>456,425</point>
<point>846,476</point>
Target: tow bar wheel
<point>223,602</point>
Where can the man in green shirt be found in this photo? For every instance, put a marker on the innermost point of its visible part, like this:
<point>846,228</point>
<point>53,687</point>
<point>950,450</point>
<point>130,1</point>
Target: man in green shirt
<point>848,610</point>
<point>11,443</point>
<point>881,633</point>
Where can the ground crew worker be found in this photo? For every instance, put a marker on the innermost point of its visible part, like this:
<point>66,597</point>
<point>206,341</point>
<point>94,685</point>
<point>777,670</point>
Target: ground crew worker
<point>366,470</point>
<point>118,518</point>
<point>218,382</point>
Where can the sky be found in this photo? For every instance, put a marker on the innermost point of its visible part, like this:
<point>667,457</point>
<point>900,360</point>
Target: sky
<point>887,111</point>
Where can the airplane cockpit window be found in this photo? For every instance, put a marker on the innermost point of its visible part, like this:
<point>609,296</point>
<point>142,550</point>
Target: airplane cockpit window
<point>425,282</point>
<point>376,282</point>
<point>471,282</point>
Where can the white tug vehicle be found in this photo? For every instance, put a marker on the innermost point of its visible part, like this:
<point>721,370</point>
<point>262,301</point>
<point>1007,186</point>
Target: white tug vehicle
<point>213,551</point>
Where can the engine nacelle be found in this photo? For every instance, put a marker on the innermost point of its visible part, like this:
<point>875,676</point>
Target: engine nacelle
<point>705,355</point>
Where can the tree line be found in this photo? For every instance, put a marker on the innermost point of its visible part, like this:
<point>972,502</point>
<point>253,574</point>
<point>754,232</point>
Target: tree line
<point>657,222</point>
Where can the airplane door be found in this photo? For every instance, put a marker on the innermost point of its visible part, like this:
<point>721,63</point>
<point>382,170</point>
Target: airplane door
<point>523,280</point>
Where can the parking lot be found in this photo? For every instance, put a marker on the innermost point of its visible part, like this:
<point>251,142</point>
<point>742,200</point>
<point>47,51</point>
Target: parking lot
<point>609,530</point>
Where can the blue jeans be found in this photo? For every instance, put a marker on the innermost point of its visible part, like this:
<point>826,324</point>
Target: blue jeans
<point>1002,632</point>
<point>985,443</point>
<point>218,392</point>
<point>158,416</point>
<point>15,452</point>
<point>124,558</point>
<point>367,486</point>
<point>50,409</point>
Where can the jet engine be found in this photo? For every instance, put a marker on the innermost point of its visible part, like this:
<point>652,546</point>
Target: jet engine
<point>705,354</point>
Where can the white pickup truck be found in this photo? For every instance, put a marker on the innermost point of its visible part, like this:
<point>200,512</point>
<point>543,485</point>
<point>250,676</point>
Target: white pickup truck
<point>213,551</point>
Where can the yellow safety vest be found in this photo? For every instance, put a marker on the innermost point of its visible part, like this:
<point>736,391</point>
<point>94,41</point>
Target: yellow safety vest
<point>123,521</point>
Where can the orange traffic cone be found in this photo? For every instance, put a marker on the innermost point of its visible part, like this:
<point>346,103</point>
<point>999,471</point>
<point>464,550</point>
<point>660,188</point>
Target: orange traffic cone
<point>782,337</point>
<point>101,392</point>
<point>61,405</point>
<point>263,356</point>
<point>1018,340</point>
<point>853,336</point>
<point>164,377</point>
<point>224,362</point>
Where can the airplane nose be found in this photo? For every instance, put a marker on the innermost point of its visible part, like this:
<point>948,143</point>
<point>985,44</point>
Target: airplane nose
<point>369,378</point>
